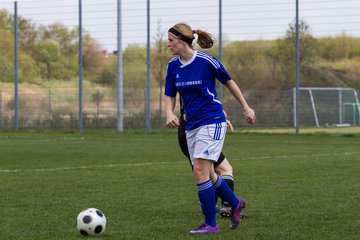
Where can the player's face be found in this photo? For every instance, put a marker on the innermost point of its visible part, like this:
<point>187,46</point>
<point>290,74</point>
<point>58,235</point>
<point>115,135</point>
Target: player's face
<point>175,45</point>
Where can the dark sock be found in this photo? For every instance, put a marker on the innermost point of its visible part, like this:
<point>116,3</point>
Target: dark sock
<point>230,182</point>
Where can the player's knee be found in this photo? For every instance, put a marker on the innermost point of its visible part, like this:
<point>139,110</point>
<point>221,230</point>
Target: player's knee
<point>200,174</point>
<point>224,168</point>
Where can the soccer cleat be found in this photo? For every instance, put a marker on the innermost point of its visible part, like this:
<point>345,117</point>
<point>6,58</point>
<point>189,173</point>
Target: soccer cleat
<point>225,211</point>
<point>217,209</point>
<point>236,213</point>
<point>205,229</point>
<point>243,215</point>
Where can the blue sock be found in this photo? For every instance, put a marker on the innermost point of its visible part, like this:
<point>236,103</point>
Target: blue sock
<point>225,193</point>
<point>206,195</point>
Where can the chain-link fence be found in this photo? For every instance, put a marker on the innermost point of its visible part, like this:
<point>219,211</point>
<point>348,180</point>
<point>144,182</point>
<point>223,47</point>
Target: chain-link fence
<point>58,108</point>
<point>253,46</point>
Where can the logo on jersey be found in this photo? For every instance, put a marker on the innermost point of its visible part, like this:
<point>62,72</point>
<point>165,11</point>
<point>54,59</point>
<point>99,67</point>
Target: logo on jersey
<point>189,83</point>
<point>177,75</point>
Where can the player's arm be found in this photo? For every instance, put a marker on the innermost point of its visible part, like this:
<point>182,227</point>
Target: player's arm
<point>171,120</point>
<point>249,113</point>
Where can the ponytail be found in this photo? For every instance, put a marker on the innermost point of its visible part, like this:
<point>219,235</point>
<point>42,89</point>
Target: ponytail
<point>205,40</point>
<point>192,37</point>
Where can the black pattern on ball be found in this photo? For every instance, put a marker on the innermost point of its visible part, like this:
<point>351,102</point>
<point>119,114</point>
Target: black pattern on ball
<point>83,232</point>
<point>87,219</point>
<point>99,213</point>
<point>98,229</point>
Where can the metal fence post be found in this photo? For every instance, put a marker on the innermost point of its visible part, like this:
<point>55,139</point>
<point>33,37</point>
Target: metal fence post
<point>220,47</point>
<point>297,70</point>
<point>97,108</point>
<point>50,110</point>
<point>16,67</point>
<point>120,104</point>
<point>80,70</point>
<point>148,108</point>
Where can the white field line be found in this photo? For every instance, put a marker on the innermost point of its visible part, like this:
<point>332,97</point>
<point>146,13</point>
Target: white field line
<point>85,167</point>
<point>168,163</point>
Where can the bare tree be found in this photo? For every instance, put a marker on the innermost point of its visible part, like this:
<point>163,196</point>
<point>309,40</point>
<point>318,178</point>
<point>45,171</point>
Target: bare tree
<point>159,63</point>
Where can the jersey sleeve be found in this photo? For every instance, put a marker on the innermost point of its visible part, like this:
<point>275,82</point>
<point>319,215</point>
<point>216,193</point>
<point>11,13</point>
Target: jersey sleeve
<point>170,87</point>
<point>220,72</point>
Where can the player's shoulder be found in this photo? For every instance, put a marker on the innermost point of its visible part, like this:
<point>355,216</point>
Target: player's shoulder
<point>203,56</point>
<point>174,59</point>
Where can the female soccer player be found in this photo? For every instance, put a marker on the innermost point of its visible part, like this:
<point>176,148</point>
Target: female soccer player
<point>222,166</point>
<point>193,74</point>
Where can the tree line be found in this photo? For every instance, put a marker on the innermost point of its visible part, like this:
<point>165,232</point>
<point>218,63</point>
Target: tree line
<point>50,53</point>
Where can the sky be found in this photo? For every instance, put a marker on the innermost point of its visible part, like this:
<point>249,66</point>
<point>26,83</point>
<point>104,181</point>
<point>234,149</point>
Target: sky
<point>242,19</point>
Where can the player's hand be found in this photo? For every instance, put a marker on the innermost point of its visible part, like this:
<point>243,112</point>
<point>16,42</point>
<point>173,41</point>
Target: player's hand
<point>172,121</point>
<point>229,125</point>
<point>249,115</point>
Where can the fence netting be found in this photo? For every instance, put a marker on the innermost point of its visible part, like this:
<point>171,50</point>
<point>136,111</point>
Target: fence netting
<point>256,48</point>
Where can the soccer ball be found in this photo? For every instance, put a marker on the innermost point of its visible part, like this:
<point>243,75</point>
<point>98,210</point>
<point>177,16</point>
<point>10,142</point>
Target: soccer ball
<point>91,221</point>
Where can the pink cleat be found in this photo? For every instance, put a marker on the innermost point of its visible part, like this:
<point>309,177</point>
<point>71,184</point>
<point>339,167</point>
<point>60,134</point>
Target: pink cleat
<point>236,213</point>
<point>205,229</point>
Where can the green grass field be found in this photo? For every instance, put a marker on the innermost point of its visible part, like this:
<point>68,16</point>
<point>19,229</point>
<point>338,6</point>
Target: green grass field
<point>297,187</point>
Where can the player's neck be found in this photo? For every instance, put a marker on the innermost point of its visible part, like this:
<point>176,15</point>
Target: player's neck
<point>187,56</point>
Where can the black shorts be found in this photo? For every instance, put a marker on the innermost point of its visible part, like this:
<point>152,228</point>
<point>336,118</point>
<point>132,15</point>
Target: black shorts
<point>184,148</point>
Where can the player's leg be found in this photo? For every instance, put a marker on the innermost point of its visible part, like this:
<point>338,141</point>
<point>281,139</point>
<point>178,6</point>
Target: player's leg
<point>222,167</point>
<point>206,194</point>
<point>216,166</point>
<point>201,147</point>
<point>225,193</point>
<point>225,170</point>
<point>183,142</point>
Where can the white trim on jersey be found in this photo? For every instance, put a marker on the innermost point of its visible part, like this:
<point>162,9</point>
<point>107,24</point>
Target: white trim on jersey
<point>188,62</point>
<point>174,59</point>
<point>213,95</point>
<point>209,58</point>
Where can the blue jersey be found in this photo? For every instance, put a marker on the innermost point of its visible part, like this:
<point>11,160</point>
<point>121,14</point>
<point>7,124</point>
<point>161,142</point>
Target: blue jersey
<point>195,82</point>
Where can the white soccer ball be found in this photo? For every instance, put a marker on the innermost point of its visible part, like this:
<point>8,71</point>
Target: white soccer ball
<point>91,221</point>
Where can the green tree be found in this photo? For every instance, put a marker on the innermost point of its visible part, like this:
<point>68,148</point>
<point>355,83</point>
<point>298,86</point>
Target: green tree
<point>283,53</point>
<point>27,32</point>
<point>4,19</point>
<point>327,48</point>
<point>47,53</point>
<point>93,57</point>
<point>59,33</point>
<point>27,35</point>
<point>66,67</point>
<point>28,68</point>
<point>134,61</point>
<point>246,63</point>
<point>6,56</point>
<point>108,73</point>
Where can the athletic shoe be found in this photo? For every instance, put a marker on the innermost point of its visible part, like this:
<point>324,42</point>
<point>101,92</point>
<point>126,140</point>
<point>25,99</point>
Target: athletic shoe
<point>205,229</point>
<point>243,215</point>
<point>236,213</point>
<point>217,209</point>
<point>225,211</point>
